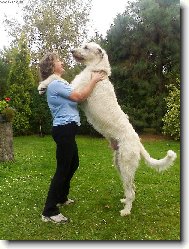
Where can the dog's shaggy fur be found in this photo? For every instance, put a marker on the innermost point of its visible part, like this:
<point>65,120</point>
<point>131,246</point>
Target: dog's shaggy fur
<point>104,113</point>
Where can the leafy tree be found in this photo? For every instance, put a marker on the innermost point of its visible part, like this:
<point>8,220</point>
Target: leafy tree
<point>143,47</point>
<point>20,83</point>
<point>52,25</point>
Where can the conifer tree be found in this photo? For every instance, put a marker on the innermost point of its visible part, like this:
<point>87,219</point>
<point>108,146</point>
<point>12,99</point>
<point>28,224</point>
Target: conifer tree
<point>20,83</point>
<point>4,70</point>
<point>144,47</point>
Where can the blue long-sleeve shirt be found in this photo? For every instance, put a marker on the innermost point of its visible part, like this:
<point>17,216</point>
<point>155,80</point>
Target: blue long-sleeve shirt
<point>63,109</point>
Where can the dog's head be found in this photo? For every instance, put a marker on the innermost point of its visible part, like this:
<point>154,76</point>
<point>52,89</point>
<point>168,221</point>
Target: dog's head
<point>91,54</point>
<point>88,53</point>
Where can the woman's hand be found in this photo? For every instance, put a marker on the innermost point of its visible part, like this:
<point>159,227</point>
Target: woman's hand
<point>84,93</point>
<point>97,76</point>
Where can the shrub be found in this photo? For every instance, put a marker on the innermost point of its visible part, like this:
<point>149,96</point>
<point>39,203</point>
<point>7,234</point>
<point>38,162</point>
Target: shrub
<point>6,110</point>
<point>172,117</point>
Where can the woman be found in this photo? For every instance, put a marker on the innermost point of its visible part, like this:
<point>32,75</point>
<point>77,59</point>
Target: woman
<point>62,100</point>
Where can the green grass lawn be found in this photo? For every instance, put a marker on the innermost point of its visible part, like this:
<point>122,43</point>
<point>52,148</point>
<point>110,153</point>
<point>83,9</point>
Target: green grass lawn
<point>96,188</point>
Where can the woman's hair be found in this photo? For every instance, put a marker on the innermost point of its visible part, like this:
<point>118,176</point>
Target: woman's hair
<point>46,65</point>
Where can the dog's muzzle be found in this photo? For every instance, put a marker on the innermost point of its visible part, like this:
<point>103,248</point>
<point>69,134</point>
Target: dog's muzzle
<point>76,56</point>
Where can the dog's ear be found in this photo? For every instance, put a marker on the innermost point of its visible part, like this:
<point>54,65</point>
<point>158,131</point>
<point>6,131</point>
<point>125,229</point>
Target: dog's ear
<point>100,52</point>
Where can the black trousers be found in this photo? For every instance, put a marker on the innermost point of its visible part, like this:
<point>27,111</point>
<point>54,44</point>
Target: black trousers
<point>67,163</point>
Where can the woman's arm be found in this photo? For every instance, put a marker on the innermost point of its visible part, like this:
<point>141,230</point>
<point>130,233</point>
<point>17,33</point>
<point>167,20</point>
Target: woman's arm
<point>80,96</point>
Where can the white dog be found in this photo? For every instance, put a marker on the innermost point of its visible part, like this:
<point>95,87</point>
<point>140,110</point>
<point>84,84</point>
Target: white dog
<point>104,113</point>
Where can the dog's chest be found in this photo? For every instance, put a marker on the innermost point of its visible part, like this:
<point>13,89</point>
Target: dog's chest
<point>81,80</point>
<point>101,95</point>
<point>103,89</point>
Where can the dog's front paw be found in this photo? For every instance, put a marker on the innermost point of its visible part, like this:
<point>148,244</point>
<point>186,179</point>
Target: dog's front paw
<point>124,212</point>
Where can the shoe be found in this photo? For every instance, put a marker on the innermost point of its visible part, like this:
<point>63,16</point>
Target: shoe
<point>66,203</point>
<point>59,218</point>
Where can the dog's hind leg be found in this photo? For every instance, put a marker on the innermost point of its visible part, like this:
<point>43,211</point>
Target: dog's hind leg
<point>126,162</point>
<point>129,193</point>
<point>127,170</point>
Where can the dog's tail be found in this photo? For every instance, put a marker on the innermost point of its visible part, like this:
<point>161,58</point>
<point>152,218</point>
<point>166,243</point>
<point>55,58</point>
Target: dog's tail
<point>160,164</point>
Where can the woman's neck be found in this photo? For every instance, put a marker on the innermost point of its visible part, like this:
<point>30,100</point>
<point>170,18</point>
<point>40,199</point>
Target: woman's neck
<point>58,74</point>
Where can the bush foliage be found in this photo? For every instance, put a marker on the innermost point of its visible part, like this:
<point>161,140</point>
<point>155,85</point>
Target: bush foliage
<point>172,117</point>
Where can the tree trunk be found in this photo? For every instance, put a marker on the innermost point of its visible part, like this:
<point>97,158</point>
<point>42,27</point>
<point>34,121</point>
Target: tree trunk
<point>6,142</point>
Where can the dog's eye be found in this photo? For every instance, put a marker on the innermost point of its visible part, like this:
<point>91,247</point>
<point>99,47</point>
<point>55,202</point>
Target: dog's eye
<point>86,47</point>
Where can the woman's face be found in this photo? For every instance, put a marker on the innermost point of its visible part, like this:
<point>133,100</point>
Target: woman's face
<point>58,67</point>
